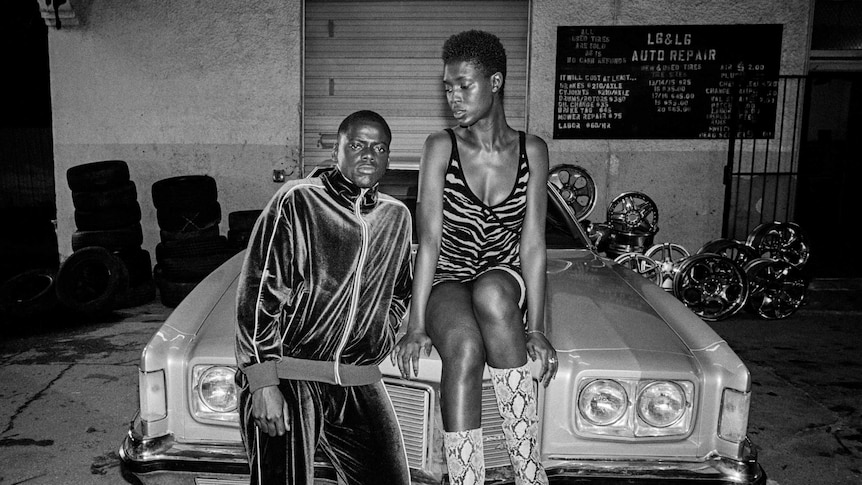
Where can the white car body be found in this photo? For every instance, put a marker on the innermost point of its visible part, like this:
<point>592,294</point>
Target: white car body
<point>607,324</point>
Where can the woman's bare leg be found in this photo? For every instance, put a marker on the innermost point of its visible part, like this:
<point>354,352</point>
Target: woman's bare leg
<point>495,303</point>
<point>453,330</point>
<point>452,327</point>
<point>500,319</point>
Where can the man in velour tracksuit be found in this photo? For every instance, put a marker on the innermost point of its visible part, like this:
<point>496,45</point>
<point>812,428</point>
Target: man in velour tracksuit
<point>324,286</point>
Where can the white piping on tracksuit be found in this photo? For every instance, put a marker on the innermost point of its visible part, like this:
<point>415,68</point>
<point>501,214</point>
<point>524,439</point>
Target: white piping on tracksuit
<point>357,280</point>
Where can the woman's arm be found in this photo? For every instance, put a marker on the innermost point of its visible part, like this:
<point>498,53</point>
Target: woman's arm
<point>429,225</point>
<point>533,250</point>
<point>534,257</point>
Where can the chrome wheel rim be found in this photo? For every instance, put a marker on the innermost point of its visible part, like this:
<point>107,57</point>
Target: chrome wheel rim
<point>633,212</point>
<point>737,251</point>
<point>776,288</point>
<point>576,187</point>
<point>642,265</point>
<point>782,241</point>
<point>668,256</point>
<point>711,286</point>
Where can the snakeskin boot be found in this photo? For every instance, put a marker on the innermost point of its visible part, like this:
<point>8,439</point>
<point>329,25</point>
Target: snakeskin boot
<point>516,401</point>
<point>465,457</point>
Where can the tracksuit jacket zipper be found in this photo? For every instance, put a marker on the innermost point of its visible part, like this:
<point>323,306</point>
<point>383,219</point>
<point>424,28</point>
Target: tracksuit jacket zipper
<point>357,280</point>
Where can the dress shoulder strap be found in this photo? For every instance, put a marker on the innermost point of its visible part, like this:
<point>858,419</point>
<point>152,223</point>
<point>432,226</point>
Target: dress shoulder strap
<point>522,143</point>
<point>454,155</point>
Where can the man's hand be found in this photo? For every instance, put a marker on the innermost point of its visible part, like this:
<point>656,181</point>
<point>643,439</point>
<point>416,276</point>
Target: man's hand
<point>406,352</point>
<point>269,411</point>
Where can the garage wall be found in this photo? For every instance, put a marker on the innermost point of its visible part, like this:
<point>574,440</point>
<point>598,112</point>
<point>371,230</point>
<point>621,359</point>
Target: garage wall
<point>683,177</point>
<point>178,88</point>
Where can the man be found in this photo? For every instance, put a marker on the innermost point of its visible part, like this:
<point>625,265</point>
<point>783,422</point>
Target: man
<point>325,284</point>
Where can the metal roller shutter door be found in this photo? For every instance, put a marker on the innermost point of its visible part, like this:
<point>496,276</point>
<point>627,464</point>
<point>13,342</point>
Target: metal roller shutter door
<point>385,56</point>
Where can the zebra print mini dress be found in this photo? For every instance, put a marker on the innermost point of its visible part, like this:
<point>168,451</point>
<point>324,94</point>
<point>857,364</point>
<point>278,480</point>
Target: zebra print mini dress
<point>476,237</point>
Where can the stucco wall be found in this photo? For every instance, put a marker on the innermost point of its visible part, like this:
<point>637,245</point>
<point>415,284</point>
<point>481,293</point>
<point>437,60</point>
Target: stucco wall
<point>683,177</point>
<point>178,88</point>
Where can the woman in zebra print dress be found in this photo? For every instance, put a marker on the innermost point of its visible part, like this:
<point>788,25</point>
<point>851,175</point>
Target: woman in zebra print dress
<point>479,283</point>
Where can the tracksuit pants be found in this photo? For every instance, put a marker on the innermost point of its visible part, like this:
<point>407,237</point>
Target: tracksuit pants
<point>354,427</point>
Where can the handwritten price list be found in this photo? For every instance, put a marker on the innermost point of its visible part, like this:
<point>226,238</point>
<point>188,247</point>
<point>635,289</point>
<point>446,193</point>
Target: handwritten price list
<point>663,82</point>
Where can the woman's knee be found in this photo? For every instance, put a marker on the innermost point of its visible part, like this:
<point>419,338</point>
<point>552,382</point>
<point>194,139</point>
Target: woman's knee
<point>494,301</point>
<point>464,354</point>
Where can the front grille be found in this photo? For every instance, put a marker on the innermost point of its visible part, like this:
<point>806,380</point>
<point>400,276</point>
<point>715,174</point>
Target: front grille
<point>413,409</point>
<point>412,404</point>
<point>492,429</point>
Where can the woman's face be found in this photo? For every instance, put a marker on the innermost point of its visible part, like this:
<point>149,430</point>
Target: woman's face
<point>469,92</point>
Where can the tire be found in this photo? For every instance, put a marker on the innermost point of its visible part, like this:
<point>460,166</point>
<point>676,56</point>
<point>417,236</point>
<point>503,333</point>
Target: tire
<point>184,191</point>
<point>207,233</point>
<point>97,175</point>
<point>89,279</point>
<point>238,240</point>
<point>122,194</point>
<point>171,292</point>
<point>138,264</point>
<point>193,268</point>
<point>108,218</point>
<point>28,295</point>
<point>191,248</point>
<point>243,220</point>
<point>191,218</point>
<point>135,295</point>
<point>113,239</point>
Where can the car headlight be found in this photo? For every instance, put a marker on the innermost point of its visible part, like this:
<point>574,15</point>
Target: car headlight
<point>627,407</point>
<point>661,404</point>
<point>603,402</point>
<point>217,389</point>
<point>215,395</point>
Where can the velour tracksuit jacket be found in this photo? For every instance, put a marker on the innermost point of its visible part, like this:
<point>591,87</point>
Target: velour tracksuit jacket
<point>324,285</point>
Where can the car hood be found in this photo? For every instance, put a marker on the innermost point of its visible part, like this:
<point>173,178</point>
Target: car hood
<point>593,305</point>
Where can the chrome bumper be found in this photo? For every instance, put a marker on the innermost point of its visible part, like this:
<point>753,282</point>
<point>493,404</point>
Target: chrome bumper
<point>712,469</point>
<point>162,459</point>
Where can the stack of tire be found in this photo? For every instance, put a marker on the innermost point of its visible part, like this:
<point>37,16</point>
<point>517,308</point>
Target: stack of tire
<point>191,247</point>
<point>240,224</point>
<point>108,269</point>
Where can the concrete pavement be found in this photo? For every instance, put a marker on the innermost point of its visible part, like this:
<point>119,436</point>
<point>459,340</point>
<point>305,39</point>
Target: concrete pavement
<point>67,396</point>
<point>68,392</point>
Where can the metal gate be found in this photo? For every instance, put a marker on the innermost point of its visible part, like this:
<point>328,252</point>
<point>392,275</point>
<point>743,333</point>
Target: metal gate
<point>761,175</point>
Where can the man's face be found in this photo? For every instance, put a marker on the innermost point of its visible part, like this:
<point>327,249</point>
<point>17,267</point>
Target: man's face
<point>362,153</point>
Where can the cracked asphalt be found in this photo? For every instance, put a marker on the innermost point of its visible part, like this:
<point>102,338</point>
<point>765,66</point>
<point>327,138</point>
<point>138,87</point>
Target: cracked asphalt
<point>68,392</point>
<point>806,406</point>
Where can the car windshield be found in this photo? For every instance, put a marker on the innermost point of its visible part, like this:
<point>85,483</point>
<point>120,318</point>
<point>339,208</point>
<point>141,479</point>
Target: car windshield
<point>560,230</point>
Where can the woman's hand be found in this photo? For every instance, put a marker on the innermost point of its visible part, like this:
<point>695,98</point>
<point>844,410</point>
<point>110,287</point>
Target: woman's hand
<point>406,352</point>
<point>539,348</point>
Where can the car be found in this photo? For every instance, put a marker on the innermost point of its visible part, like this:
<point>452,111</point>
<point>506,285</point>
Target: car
<point>645,391</point>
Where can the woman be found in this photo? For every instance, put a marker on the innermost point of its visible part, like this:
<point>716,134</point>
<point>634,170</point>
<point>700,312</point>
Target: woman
<point>479,279</point>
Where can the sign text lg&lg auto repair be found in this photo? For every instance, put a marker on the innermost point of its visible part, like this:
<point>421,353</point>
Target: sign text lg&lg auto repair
<point>676,81</point>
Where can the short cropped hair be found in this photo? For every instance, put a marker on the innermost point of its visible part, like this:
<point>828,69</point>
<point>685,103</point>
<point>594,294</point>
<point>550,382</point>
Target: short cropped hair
<point>363,116</point>
<point>482,49</point>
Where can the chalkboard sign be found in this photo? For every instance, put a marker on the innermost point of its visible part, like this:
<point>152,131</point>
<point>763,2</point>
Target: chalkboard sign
<point>667,81</point>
